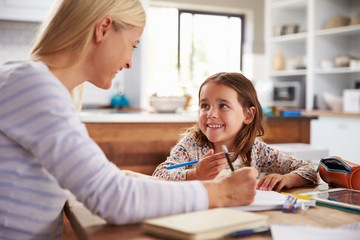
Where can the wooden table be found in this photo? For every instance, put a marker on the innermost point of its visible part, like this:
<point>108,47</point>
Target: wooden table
<point>88,226</point>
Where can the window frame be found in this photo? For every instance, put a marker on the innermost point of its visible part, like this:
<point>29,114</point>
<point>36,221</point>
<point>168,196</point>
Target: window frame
<point>241,16</point>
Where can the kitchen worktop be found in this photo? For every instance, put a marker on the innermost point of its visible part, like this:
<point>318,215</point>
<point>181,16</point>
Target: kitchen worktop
<point>116,116</point>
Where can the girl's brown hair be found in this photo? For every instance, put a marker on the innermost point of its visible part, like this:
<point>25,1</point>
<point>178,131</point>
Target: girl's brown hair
<point>247,98</point>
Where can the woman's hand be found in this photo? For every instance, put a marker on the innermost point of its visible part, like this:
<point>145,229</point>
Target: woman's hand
<point>277,181</point>
<point>208,167</point>
<point>232,188</point>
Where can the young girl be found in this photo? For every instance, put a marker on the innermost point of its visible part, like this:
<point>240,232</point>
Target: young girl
<point>230,114</point>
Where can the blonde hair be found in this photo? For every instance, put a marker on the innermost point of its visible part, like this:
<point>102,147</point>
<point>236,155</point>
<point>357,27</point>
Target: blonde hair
<point>71,23</point>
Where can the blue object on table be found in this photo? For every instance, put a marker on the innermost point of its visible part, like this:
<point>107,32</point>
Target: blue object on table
<point>247,232</point>
<point>119,100</point>
<point>290,204</point>
<point>267,111</point>
<point>289,113</point>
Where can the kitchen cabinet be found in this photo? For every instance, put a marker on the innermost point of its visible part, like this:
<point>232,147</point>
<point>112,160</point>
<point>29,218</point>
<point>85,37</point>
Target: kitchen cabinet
<point>298,48</point>
<point>138,147</point>
<point>24,10</point>
<point>338,134</point>
<point>287,129</point>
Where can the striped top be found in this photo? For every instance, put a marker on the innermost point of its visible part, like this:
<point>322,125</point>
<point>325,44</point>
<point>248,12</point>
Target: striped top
<point>46,153</point>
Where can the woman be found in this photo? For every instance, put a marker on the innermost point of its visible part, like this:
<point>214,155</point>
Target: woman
<point>45,151</point>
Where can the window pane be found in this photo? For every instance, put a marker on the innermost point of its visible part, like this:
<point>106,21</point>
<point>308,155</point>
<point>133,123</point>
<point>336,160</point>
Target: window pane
<point>208,44</point>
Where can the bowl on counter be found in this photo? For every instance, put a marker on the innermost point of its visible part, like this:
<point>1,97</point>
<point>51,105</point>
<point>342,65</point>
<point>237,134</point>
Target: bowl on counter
<point>167,104</point>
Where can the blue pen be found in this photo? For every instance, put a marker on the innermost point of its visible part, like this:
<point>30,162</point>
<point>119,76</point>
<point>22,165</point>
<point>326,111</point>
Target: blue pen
<point>182,164</point>
<point>247,232</point>
<point>190,163</point>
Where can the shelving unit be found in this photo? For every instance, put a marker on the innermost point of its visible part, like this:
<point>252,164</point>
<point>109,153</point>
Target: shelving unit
<point>312,44</point>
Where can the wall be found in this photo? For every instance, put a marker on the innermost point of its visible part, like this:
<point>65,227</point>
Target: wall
<point>15,39</point>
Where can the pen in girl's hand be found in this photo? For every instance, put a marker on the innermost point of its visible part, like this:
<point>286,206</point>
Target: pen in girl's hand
<point>188,163</point>
<point>227,157</point>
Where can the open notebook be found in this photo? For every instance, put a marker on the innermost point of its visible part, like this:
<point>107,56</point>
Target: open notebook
<point>271,200</point>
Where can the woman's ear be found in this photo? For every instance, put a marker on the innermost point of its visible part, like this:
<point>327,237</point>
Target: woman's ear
<point>249,115</point>
<point>102,28</point>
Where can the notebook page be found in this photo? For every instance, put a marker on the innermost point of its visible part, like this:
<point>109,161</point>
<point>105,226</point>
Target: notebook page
<point>271,200</point>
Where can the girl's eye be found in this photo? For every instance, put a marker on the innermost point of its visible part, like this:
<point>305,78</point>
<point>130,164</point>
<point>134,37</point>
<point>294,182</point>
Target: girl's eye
<point>223,106</point>
<point>204,106</point>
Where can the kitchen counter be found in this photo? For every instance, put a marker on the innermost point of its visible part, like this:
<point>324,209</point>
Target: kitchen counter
<point>291,118</point>
<point>329,113</point>
<point>115,116</point>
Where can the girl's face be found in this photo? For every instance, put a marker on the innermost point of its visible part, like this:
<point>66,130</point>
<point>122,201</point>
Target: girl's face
<point>221,115</point>
<point>114,54</point>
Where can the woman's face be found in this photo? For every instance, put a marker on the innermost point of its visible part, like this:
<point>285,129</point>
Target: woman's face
<point>113,54</point>
<point>221,115</point>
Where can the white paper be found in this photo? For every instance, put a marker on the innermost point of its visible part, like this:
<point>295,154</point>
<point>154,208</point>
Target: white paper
<point>301,232</point>
<point>270,200</point>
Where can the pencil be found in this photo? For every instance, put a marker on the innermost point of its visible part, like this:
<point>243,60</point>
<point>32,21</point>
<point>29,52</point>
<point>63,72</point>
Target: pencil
<point>227,157</point>
<point>298,196</point>
<point>182,164</point>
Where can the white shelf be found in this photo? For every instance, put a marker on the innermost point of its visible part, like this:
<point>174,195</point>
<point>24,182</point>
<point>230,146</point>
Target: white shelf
<point>337,70</point>
<point>289,4</point>
<point>348,30</point>
<point>287,73</point>
<point>312,45</point>
<point>297,37</point>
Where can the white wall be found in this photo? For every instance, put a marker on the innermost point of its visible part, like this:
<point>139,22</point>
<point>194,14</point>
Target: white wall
<point>16,39</point>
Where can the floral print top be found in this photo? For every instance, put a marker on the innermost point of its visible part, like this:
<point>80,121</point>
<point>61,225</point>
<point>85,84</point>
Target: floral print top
<point>264,158</point>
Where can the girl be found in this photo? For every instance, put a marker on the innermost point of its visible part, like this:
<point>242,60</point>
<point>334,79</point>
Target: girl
<point>230,114</point>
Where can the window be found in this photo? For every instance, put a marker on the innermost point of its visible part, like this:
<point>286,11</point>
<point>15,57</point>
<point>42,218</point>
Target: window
<point>185,47</point>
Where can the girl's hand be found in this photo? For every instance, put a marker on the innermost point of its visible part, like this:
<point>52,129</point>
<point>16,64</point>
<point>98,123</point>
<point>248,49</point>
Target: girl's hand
<point>269,182</point>
<point>208,167</point>
<point>277,181</point>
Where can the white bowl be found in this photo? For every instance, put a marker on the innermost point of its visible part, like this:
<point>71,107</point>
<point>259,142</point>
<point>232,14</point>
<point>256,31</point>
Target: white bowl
<point>167,104</point>
<point>333,102</point>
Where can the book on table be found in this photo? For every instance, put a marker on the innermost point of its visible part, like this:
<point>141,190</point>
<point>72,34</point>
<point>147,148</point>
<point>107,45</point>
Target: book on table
<point>206,224</point>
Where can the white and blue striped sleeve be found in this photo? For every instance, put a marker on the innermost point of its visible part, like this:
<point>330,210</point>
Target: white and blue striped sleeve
<point>38,114</point>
